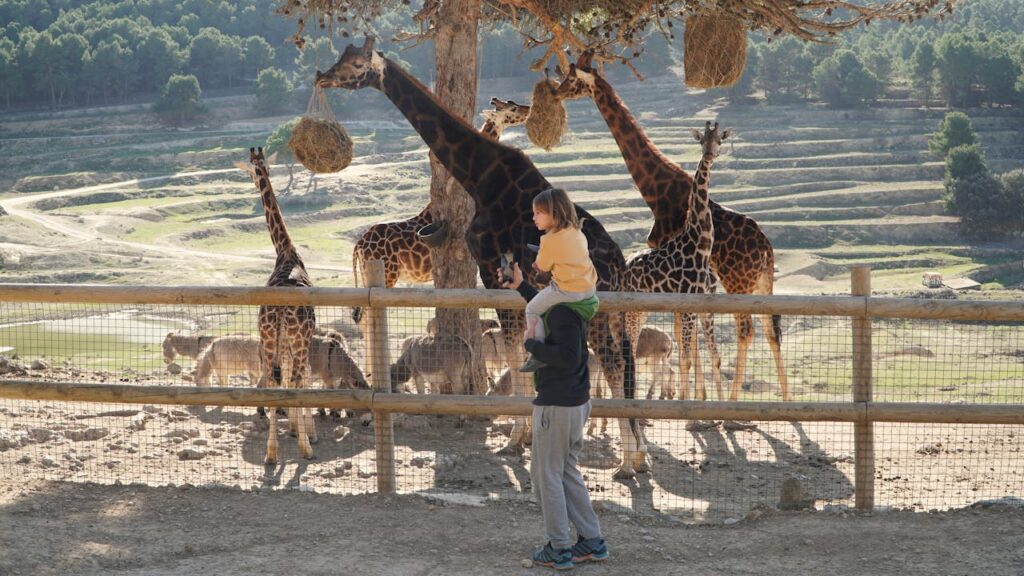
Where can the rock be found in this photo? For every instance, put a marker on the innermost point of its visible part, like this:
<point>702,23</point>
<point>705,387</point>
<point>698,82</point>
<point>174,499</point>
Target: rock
<point>191,454</point>
<point>47,462</point>
<point>929,449</point>
<point>526,563</point>
<point>183,434</point>
<point>86,435</point>
<point>174,368</point>
<point>731,521</point>
<point>40,434</point>
<point>40,364</point>
<point>26,459</point>
<point>138,422</point>
<point>10,439</point>
<point>792,496</point>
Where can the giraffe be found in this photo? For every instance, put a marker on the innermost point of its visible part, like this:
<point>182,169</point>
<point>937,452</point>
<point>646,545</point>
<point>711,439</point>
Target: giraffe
<point>682,265</point>
<point>397,244</point>
<point>285,331</point>
<point>504,114</point>
<point>741,258</point>
<point>502,182</point>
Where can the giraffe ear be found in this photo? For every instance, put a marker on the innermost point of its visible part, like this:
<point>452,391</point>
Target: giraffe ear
<point>696,135</point>
<point>726,133</point>
<point>244,166</point>
<point>273,158</point>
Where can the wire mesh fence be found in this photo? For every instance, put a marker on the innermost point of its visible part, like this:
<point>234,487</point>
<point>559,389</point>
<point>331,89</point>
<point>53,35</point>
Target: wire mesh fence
<point>700,470</point>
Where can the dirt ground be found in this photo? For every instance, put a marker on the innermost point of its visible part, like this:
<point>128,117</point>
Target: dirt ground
<point>65,528</point>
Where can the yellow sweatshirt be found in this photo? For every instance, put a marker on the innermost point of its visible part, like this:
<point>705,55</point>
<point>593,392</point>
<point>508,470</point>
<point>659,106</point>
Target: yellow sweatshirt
<point>564,254</point>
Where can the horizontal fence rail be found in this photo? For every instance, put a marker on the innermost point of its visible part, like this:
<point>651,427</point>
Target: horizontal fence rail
<point>512,406</point>
<point>849,306</point>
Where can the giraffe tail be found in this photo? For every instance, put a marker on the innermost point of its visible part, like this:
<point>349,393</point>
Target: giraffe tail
<point>777,327</point>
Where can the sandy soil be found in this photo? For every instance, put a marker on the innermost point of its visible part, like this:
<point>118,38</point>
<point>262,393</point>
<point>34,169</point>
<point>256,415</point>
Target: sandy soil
<point>61,528</point>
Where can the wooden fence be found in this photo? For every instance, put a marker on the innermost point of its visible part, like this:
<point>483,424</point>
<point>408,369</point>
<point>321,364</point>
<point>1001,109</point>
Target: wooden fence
<point>860,306</point>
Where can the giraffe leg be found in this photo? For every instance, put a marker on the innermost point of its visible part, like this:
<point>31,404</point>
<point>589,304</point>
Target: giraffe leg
<point>684,356</point>
<point>708,323</point>
<point>690,326</point>
<point>266,376</point>
<point>773,331</point>
<point>744,336</point>
<point>615,352</point>
<point>512,327</point>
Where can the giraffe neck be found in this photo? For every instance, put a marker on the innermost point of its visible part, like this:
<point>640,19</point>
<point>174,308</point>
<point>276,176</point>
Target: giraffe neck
<point>275,222</point>
<point>469,157</point>
<point>698,216</point>
<point>646,163</point>
<point>424,217</point>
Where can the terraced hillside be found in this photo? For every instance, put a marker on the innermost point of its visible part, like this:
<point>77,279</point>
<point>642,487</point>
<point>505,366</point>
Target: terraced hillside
<point>830,187</point>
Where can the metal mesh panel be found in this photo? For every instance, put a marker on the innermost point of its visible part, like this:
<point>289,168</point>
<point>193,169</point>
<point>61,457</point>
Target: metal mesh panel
<point>700,471</point>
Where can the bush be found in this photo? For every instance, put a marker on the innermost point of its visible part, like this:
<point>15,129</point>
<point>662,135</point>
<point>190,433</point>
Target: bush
<point>955,130</point>
<point>985,207</point>
<point>180,101</point>
<point>273,91</point>
<point>963,162</point>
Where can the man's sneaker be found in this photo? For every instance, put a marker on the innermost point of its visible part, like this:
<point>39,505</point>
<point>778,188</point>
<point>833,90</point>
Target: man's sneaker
<point>557,559</point>
<point>531,365</point>
<point>592,549</point>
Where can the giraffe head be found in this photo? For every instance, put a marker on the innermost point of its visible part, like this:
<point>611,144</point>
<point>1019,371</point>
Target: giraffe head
<point>579,81</point>
<point>358,67</point>
<point>505,114</point>
<point>711,140</point>
<point>256,167</point>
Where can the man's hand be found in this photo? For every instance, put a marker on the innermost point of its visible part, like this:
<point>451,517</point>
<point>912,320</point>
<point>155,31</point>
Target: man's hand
<point>517,277</point>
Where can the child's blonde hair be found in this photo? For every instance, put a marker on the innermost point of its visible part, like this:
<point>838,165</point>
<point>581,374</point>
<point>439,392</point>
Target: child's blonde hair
<point>556,203</point>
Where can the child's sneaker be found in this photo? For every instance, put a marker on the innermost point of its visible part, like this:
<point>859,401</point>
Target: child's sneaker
<point>557,559</point>
<point>531,365</point>
<point>592,549</point>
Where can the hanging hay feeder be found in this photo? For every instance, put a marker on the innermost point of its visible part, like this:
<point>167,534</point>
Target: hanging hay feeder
<point>548,120</point>
<point>318,141</point>
<point>715,51</point>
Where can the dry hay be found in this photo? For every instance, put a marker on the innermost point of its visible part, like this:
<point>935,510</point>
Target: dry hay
<point>318,141</point>
<point>715,51</point>
<point>548,120</point>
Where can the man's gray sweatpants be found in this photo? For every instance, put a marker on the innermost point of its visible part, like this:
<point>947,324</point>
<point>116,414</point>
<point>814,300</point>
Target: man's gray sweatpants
<point>557,482</point>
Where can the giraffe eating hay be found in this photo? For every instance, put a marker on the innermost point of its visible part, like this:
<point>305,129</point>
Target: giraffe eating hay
<point>285,331</point>
<point>404,252</point>
<point>502,182</point>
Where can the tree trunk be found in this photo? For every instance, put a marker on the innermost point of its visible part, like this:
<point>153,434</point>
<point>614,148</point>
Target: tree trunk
<point>455,46</point>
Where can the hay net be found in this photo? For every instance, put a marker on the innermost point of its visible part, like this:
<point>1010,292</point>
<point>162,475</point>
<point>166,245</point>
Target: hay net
<point>548,121</point>
<point>318,141</point>
<point>715,51</point>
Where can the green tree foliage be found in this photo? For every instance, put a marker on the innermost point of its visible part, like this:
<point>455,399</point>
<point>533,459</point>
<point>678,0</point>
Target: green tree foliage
<point>987,208</point>
<point>273,91</point>
<point>158,56</point>
<point>922,70</point>
<point>954,130</point>
<point>257,55</point>
<point>957,61</point>
<point>786,70</point>
<point>179,101</point>
<point>277,143</point>
<point>843,81</point>
<point>215,58</point>
<point>964,162</point>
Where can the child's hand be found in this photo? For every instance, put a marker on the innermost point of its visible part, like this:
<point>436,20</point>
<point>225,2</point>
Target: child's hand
<point>535,267</point>
<point>517,277</point>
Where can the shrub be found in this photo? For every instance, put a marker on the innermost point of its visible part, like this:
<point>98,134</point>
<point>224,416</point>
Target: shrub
<point>954,130</point>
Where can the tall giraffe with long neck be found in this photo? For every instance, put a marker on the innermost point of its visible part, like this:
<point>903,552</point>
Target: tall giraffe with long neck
<point>742,257</point>
<point>397,244</point>
<point>502,182</point>
<point>682,265</point>
<point>285,331</point>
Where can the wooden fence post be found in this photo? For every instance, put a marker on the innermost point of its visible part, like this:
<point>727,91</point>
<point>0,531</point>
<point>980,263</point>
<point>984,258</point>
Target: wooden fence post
<point>863,432</point>
<point>380,367</point>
